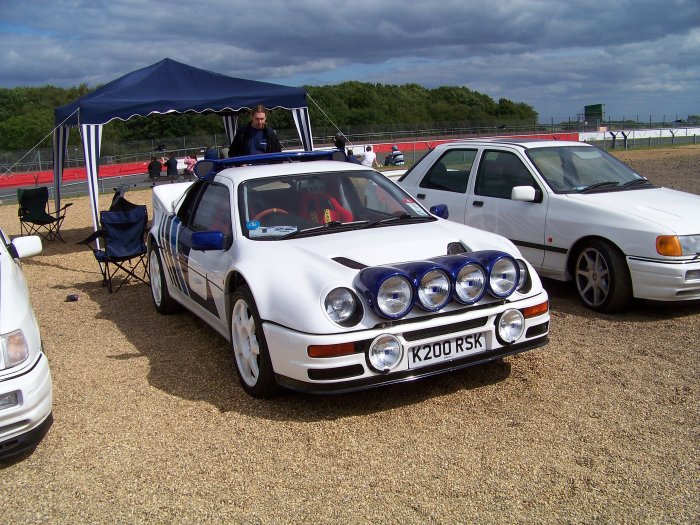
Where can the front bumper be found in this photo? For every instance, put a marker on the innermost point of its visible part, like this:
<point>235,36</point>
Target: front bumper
<point>296,370</point>
<point>665,280</point>
<point>23,424</point>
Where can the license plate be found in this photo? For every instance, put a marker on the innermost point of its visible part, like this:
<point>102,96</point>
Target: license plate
<point>432,353</point>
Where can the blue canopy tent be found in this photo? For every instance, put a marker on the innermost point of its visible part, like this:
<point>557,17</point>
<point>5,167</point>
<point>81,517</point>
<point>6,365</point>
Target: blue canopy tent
<point>165,87</point>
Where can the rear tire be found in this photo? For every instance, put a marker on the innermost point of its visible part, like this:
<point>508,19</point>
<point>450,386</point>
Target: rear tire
<point>162,300</point>
<point>249,348</point>
<point>602,277</point>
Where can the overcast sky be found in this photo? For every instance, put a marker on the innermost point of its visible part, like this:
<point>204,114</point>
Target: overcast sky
<point>637,57</point>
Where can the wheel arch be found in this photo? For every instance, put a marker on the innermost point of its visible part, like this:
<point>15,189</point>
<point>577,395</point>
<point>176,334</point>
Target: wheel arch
<point>577,246</point>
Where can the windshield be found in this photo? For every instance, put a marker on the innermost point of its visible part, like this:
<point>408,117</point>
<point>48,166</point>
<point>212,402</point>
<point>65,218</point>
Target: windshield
<point>317,203</point>
<point>568,169</point>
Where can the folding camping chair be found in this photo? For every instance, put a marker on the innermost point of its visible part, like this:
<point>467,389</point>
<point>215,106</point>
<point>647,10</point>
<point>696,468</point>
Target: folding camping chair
<point>124,248</point>
<point>35,215</point>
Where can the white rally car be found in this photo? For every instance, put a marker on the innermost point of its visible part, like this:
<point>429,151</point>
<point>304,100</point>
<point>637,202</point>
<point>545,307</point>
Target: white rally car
<point>327,277</point>
<point>25,380</point>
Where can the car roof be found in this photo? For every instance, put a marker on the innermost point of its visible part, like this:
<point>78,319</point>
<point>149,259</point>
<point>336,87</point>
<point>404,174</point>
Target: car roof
<point>525,143</point>
<point>240,174</point>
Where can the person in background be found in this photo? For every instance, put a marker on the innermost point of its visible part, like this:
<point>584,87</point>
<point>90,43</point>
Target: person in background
<point>171,165</point>
<point>369,158</point>
<point>256,137</point>
<point>340,142</point>
<point>190,161</point>
<point>154,168</point>
<point>395,158</point>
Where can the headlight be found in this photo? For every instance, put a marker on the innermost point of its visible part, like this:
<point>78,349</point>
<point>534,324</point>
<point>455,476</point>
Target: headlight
<point>15,349</point>
<point>510,325</point>
<point>504,277</point>
<point>434,290</point>
<point>395,296</point>
<point>524,282</point>
<point>384,353</point>
<point>341,306</point>
<point>470,283</point>
<point>678,245</point>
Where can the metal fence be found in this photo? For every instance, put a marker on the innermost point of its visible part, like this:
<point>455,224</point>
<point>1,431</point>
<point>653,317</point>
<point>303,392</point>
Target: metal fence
<point>142,150</point>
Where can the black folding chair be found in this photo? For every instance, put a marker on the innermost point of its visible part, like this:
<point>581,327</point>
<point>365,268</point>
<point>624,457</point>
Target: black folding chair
<point>35,215</point>
<point>124,248</point>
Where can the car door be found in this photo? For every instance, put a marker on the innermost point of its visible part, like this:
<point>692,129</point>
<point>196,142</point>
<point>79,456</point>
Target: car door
<point>490,207</point>
<point>206,270</point>
<point>445,182</point>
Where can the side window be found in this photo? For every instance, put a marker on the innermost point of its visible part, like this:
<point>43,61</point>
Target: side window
<point>213,211</point>
<point>451,172</point>
<point>185,210</point>
<point>499,172</point>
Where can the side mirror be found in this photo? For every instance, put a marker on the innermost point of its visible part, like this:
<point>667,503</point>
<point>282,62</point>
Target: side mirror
<point>206,241</point>
<point>203,168</point>
<point>25,246</point>
<point>524,194</point>
<point>440,210</point>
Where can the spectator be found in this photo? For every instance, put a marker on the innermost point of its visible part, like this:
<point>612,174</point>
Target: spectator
<point>256,137</point>
<point>190,161</point>
<point>171,165</point>
<point>211,154</point>
<point>369,158</point>
<point>339,142</point>
<point>395,158</point>
<point>154,168</point>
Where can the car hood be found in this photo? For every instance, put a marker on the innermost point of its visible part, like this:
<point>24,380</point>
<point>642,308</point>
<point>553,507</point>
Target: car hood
<point>284,275</point>
<point>672,209</point>
<point>394,244</point>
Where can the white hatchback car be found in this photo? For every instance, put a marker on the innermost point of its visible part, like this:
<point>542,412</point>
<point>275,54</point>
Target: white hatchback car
<point>25,381</point>
<point>574,211</point>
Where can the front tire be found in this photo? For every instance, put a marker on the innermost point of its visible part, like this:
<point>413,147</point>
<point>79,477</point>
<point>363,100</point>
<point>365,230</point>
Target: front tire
<point>602,277</point>
<point>249,347</point>
<point>162,300</point>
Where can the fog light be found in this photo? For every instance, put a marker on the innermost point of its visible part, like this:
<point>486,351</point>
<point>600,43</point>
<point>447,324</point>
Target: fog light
<point>434,290</point>
<point>510,326</point>
<point>384,353</point>
<point>9,400</point>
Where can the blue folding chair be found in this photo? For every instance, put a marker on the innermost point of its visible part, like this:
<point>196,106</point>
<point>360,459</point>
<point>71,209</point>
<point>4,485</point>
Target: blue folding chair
<point>124,248</point>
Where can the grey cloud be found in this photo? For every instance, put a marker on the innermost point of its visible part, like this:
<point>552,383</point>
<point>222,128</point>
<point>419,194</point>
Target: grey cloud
<point>551,54</point>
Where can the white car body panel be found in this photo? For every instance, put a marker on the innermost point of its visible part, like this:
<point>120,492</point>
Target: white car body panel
<point>546,231</point>
<point>22,424</point>
<point>290,279</point>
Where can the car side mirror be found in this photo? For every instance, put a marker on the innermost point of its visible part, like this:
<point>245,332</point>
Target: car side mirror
<point>25,246</point>
<point>440,210</point>
<point>206,241</point>
<point>203,168</point>
<point>524,194</point>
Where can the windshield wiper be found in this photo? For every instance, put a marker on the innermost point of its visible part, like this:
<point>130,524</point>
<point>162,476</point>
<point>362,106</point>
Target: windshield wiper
<point>322,227</point>
<point>599,185</point>
<point>637,182</point>
<point>399,218</point>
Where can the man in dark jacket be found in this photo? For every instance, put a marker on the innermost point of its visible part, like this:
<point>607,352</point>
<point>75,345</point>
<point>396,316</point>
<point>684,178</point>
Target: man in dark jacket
<point>154,168</point>
<point>256,137</point>
<point>339,141</point>
<point>171,165</point>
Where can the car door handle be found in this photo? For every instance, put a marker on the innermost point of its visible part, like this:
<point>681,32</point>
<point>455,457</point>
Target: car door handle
<point>421,195</point>
<point>478,204</point>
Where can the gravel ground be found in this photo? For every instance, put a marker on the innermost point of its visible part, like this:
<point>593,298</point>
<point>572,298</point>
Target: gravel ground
<point>600,426</point>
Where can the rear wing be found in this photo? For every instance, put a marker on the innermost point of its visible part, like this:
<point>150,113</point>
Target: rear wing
<point>206,169</point>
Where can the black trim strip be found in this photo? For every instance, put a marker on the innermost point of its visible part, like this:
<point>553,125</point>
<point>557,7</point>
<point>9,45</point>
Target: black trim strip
<point>24,372</point>
<point>536,246</point>
<point>408,375</point>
